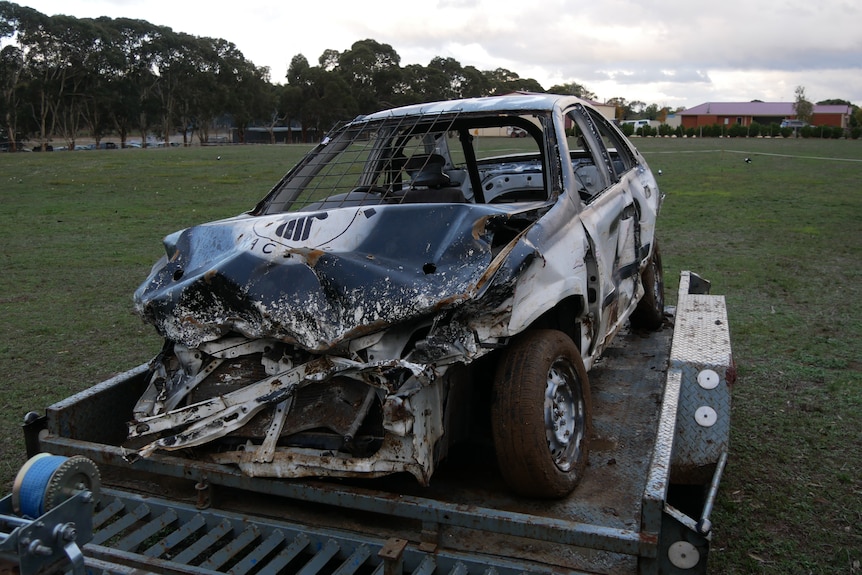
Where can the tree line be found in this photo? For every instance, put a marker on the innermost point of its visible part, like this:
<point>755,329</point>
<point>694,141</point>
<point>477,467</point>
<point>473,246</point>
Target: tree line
<point>61,76</point>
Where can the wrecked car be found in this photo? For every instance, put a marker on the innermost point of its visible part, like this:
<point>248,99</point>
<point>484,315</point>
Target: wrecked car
<point>414,276</point>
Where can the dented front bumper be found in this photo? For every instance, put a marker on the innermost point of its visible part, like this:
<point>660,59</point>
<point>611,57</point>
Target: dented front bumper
<point>329,416</point>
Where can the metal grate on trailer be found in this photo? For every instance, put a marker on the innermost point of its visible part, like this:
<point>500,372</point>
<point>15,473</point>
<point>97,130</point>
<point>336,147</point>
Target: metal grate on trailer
<point>149,535</point>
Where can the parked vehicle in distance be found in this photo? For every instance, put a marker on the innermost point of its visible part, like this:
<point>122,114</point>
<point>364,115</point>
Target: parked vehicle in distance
<point>793,124</point>
<point>641,127</point>
<point>636,123</point>
<point>404,288</point>
<point>12,146</point>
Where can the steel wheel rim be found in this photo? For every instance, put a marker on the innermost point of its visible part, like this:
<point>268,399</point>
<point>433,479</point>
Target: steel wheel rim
<point>564,415</point>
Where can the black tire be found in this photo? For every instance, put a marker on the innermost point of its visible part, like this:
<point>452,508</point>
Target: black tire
<point>649,313</point>
<point>541,383</point>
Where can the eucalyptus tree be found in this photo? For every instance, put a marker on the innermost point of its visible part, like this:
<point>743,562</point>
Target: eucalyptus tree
<point>328,60</point>
<point>474,83</point>
<point>503,81</point>
<point>802,105</point>
<point>174,64</point>
<point>453,77</point>
<point>637,108</point>
<point>249,95</point>
<point>81,71</point>
<point>87,90</point>
<point>128,75</point>
<point>371,71</point>
<point>43,66</point>
<point>622,108</point>
<point>290,106</point>
<point>99,68</point>
<point>11,68</point>
<point>329,100</point>
<point>274,103</point>
<point>199,96</point>
<point>320,96</point>
<point>572,89</point>
<point>333,102</point>
<point>418,84</point>
<point>7,19</point>
<point>451,80</point>
<point>58,55</point>
<point>75,45</point>
<point>294,94</point>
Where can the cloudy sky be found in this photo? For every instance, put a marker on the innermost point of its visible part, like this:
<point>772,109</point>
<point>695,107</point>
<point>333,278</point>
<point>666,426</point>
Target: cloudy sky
<point>668,52</point>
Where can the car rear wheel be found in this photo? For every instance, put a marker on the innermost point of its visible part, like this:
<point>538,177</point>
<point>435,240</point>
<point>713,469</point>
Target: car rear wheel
<point>540,415</point>
<point>649,313</point>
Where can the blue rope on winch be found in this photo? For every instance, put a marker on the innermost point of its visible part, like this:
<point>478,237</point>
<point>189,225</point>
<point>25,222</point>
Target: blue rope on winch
<point>35,482</point>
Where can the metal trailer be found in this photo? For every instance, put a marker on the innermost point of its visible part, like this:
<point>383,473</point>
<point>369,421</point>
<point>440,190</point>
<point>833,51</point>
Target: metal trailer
<point>661,417</point>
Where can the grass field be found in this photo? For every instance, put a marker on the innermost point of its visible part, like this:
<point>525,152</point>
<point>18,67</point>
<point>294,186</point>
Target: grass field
<point>780,236</point>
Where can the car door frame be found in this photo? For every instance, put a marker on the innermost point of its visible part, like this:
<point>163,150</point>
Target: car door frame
<point>611,222</point>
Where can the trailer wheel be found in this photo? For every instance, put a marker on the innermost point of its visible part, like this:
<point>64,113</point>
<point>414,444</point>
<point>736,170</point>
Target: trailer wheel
<point>649,313</point>
<point>540,415</point>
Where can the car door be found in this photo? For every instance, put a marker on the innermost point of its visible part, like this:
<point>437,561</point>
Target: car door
<point>609,217</point>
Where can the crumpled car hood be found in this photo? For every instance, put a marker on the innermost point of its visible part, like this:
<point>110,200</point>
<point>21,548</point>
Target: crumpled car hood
<point>318,278</point>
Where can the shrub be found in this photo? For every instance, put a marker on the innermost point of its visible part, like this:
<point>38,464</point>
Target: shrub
<point>754,129</point>
<point>837,133</point>
<point>806,131</point>
<point>708,131</point>
<point>628,130</point>
<point>737,131</point>
<point>647,131</point>
<point>855,132</point>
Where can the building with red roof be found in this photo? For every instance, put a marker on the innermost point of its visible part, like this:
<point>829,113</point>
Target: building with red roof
<point>744,113</point>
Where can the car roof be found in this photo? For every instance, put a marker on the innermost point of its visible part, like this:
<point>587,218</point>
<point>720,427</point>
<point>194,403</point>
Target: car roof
<point>519,102</point>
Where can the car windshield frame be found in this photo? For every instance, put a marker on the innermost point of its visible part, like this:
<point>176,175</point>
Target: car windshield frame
<point>415,158</point>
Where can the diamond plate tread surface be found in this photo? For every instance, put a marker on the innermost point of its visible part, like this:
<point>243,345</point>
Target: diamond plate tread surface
<point>700,333</point>
<point>701,342</point>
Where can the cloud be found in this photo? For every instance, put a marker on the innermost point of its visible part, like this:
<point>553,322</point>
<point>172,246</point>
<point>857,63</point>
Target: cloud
<point>653,76</point>
<point>648,50</point>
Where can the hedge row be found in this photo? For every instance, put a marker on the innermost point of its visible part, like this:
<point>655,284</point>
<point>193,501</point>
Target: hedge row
<point>752,131</point>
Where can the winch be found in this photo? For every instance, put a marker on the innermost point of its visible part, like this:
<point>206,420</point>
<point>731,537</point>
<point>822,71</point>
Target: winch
<point>49,514</point>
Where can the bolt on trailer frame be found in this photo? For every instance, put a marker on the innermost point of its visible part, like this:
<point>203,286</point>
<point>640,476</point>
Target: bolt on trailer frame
<point>661,416</point>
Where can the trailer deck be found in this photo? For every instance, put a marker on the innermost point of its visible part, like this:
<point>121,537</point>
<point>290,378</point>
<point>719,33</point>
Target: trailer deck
<point>168,514</point>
